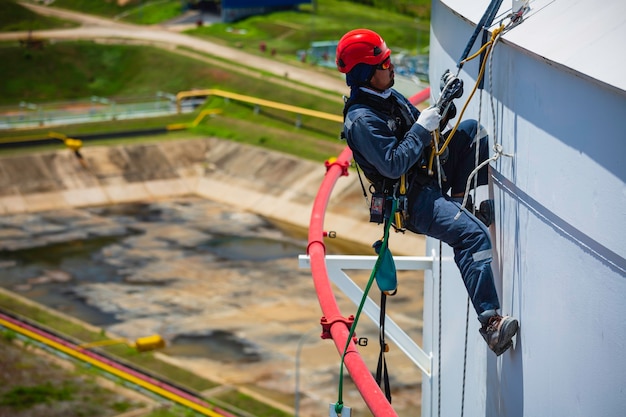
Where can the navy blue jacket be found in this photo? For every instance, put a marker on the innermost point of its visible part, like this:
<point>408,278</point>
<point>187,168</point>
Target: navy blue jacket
<point>384,143</point>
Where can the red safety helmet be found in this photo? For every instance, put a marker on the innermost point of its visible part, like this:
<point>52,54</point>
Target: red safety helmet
<point>360,46</point>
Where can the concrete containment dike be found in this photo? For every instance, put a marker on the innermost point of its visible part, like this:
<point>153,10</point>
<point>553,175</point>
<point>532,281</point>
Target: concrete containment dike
<point>272,184</point>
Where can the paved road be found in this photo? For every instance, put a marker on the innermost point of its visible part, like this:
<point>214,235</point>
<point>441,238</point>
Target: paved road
<point>93,27</point>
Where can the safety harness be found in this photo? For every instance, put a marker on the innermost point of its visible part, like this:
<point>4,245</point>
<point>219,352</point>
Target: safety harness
<point>381,188</point>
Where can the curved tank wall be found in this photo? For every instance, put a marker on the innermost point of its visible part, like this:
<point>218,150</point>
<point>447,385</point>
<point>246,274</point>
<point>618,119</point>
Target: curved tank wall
<point>559,237</point>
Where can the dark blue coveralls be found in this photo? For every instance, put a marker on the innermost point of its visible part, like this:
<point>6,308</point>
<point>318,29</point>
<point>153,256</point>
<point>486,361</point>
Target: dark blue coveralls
<point>386,142</point>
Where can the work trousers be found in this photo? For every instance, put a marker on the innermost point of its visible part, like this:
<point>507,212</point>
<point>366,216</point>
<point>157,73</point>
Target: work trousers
<point>431,212</point>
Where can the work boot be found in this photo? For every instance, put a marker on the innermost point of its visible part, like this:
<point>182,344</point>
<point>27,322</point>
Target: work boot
<point>498,332</point>
<point>484,213</point>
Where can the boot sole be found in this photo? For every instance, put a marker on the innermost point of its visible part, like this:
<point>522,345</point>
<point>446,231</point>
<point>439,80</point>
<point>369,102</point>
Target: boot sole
<point>506,337</point>
<point>503,349</point>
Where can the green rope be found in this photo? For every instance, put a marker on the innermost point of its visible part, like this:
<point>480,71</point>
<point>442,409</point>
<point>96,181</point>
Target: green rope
<point>381,254</point>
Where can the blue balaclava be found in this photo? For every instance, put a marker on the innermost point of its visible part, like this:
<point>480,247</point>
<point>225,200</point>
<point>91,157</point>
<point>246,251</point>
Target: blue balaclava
<point>360,75</point>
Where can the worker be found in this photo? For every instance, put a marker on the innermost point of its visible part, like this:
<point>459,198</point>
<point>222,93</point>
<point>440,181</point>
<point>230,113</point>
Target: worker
<point>390,138</point>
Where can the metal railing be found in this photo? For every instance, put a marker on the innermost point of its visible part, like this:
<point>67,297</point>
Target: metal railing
<point>93,109</point>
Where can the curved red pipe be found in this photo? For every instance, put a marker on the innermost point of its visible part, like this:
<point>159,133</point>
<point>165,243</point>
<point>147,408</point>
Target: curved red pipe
<point>338,325</point>
<point>421,96</point>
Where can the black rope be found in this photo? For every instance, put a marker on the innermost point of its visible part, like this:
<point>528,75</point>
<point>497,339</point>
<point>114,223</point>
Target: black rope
<point>439,373</point>
<point>358,171</point>
<point>465,356</point>
<point>382,376</point>
<point>484,22</point>
<point>483,55</point>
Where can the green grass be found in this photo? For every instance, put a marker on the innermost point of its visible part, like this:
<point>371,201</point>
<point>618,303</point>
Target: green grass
<point>21,397</point>
<point>136,70</point>
<point>32,385</point>
<point>243,402</point>
<point>97,7</point>
<point>14,17</point>
<point>172,411</point>
<point>75,70</point>
<point>138,11</point>
<point>315,139</point>
<point>290,31</point>
<point>151,12</point>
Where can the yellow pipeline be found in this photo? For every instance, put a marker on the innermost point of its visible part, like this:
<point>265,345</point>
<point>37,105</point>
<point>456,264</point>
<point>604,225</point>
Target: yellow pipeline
<point>259,101</point>
<point>71,143</point>
<point>108,368</point>
<point>196,122</point>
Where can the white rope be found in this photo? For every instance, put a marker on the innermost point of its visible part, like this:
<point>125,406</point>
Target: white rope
<point>497,148</point>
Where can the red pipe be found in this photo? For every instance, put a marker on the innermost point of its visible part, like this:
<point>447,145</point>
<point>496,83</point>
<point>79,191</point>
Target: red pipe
<point>420,97</point>
<point>339,329</point>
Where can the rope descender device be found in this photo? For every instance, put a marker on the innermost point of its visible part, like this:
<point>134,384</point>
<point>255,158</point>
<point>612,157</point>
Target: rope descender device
<point>401,211</point>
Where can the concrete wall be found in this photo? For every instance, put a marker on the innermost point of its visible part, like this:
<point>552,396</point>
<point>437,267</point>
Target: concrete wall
<point>272,184</point>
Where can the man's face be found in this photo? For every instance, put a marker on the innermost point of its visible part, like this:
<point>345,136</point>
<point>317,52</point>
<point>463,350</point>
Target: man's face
<point>383,76</point>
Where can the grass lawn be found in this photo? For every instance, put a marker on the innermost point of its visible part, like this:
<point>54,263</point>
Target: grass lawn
<point>79,70</point>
